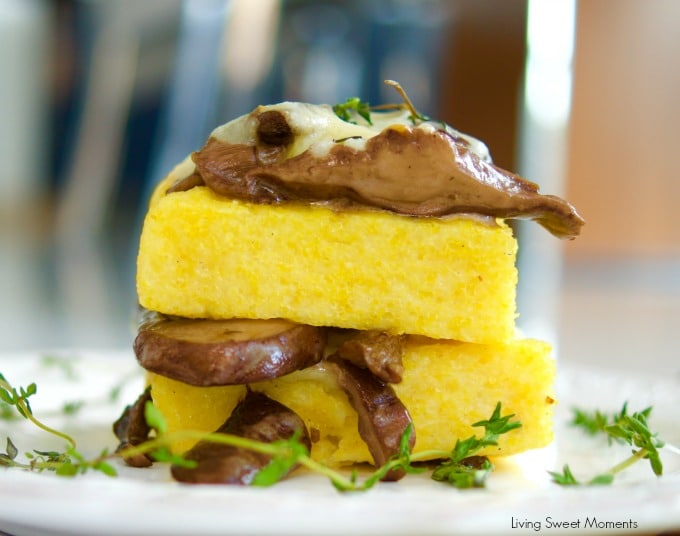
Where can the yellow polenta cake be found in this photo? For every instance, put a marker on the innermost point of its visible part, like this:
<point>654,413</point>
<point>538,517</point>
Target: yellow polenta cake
<point>381,228</point>
<point>446,386</point>
<point>206,256</point>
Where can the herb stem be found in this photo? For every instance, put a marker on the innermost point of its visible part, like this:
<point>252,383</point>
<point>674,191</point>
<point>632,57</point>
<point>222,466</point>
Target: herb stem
<point>50,430</point>
<point>26,412</point>
<point>621,427</point>
<point>428,455</point>
<point>284,454</point>
<point>13,463</point>
<point>631,460</point>
<point>402,93</point>
<point>223,439</point>
<point>338,479</point>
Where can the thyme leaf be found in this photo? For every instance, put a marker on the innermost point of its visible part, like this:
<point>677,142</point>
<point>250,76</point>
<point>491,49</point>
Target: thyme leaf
<point>155,419</point>
<point>10,454</point>
<point>591,422</point>
<point>19,400</point>
<point>289,453</point>
<point>595,422</point>
<point>353,105</point>
<point>622,427</point>
<point>457,471</point>
<point>462,475</point>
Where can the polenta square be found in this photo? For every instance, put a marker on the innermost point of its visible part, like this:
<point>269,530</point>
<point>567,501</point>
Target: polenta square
<point>206,256</point>
<point>447,386</point>
<point>344,277</point>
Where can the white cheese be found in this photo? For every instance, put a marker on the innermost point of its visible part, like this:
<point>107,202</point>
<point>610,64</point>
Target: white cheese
<point>317,128</point>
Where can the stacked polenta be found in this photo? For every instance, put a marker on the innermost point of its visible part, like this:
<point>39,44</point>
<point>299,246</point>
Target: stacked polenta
<point>446,283</point>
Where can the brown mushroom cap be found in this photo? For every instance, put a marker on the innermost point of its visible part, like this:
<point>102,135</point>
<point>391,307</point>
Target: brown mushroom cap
<point>417,170</point>
<point>257,417</point>
<point>227,352</point>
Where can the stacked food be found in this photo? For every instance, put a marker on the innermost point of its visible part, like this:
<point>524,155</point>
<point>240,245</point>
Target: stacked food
<point>355,273</point>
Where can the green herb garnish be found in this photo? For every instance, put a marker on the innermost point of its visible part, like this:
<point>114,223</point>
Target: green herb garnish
<point>19,400</point>
<point>67,463</point>
<point>594,422</point>
<point>464,475</point>
<point>353,105</point>
<point>453,470</point>
<point>415,114</point>
<point>284,454</point>
<point>461,467</point>
<point>290,452</point>
<point>622,427</point>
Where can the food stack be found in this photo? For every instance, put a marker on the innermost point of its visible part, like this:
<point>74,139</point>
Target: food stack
<point>312,255</point>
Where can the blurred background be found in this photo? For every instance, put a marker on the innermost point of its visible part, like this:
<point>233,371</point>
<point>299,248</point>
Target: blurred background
<point>99,99</point>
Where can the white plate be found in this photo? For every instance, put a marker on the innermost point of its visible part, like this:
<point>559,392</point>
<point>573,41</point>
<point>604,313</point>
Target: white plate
<point>518,498</point>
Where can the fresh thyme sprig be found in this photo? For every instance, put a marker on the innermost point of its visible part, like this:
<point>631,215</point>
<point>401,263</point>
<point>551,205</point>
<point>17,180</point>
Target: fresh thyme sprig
<point>290,452</point>
<point>594,422</point>
<point>67,463</point>
<point>622,427</point>
<point>452,470</point>
<point>353,104</point>
<point>284,454</point>
<point>294,453</point>
<point>415,114</point>
<point>458,471</point>
<point>70,462</point>
<point>19,400</point>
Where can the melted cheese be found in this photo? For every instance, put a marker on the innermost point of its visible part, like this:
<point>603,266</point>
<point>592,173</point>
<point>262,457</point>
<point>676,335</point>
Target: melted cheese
<point>317,128</point>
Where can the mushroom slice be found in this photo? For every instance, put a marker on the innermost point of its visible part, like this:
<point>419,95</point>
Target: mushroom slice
<point>132,429</point>
<point>378,351</point>
<point>186,183</point>
<point>273,128</point>
<point>383,418</point>
<point>227,352</point>
<point>257,417</point>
